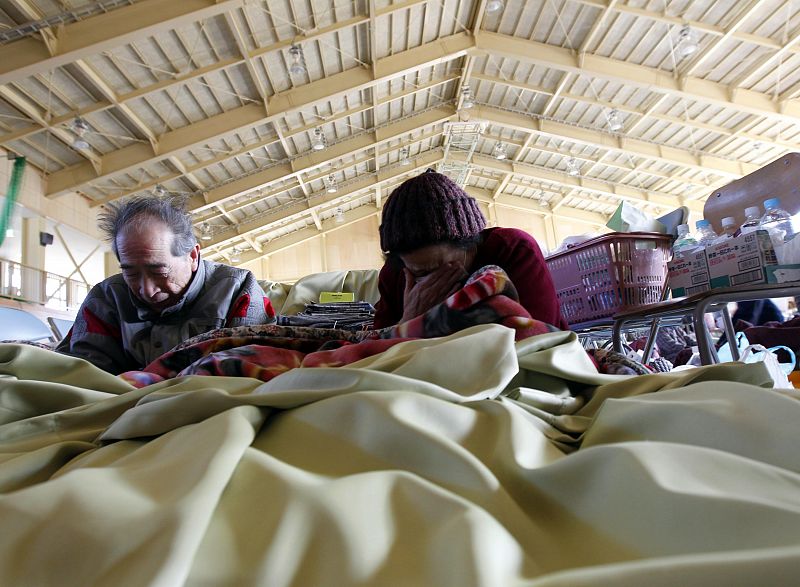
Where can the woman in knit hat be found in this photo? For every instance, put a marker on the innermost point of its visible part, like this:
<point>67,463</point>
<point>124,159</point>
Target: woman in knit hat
<point>434,236</point>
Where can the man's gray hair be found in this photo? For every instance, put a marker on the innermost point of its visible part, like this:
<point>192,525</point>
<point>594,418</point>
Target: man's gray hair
<point>139,210</point>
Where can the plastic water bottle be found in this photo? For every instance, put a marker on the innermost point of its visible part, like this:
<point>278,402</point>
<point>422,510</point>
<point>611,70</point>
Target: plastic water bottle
<point>684,243</point>
<point>705,234</point>
<point>777,221</point>
<point>729,229</point>
<point>752,219</point>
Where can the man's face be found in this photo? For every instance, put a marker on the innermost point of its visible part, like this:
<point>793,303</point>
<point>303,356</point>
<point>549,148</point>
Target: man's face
<point>150,270</point>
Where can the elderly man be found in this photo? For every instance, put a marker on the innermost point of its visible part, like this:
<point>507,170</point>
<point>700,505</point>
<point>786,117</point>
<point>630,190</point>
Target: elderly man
<point>165,294</point>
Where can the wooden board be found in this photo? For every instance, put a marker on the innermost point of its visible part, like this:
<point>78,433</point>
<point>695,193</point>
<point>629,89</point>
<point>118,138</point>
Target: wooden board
<point>779,179</point>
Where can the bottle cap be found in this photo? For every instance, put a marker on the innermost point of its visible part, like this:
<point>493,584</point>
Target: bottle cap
<point>702,223</point>
<point>752,211</point>
<point>772,203</point>
<point>728,221</point>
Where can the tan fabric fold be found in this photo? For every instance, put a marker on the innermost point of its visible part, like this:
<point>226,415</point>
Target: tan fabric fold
<point>466,461</point>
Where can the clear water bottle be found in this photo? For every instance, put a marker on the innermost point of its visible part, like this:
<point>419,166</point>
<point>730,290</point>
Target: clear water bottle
<point>752,219</point>
<point>777,221</point>
<point>729,228</point>
<point>684,243</point>
<point>705,234</point>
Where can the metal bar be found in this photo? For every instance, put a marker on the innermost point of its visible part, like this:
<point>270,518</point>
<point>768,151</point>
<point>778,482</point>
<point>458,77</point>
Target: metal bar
<point>651,340</point>
<point>616,335</point>
<point>730,333</point>
<point>30,28</point>
<point>713,300</point>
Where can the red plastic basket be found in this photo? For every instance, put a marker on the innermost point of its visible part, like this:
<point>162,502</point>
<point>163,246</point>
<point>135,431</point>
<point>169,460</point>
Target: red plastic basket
<point>610,274</point>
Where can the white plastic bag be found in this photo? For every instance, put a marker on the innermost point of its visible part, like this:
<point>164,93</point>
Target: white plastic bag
<point>724,352</point>
<point>628,218</point>
<point>757,352</point>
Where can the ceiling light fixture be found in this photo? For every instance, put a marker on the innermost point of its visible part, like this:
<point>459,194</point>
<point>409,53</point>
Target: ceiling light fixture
<point>573,168</point>
<point>543,202</point>
<point>500,151</point>
<point>297,66</point>
<point>339,216</point>
<point>614,121</point>
<point>159,191</point>
<point>332,188</point>
<point>205,231</point>
<point>687,42</point>
<point>318,141</point>
<point>494,6</point>
<point>235,255</point>
<point>80,127</point>
<point>404,160</point>
<point>467,101</point>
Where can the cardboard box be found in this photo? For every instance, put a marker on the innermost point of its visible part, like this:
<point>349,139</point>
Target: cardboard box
<point>689,274</point>
<point>740,260</point>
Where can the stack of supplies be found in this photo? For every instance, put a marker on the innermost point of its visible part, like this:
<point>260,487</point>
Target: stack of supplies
<point>342,315</point>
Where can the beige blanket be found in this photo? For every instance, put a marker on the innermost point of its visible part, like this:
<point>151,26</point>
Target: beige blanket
<point>467,460</point>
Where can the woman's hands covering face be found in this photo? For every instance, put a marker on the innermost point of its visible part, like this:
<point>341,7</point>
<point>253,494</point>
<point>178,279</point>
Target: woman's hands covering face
<point>423,293</point>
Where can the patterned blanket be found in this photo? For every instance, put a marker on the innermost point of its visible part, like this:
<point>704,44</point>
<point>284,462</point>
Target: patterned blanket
<point>265,351</point>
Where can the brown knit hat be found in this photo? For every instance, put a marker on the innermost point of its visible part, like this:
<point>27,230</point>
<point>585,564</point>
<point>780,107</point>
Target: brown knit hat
<point>426,210</point>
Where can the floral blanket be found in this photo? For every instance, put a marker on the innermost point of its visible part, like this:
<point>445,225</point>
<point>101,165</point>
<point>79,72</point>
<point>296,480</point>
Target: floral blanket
<point>265,351</point>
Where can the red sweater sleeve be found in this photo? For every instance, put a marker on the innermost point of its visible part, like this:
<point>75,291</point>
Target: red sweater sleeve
<point>519,255</point>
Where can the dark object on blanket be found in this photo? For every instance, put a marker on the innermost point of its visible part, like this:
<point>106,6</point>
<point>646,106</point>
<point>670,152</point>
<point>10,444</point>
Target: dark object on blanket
<point>342,315</point>
<point>269,331</point>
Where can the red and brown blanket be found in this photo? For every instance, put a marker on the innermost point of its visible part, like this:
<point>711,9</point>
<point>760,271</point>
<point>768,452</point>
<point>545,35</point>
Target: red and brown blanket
<point>265,351</point>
